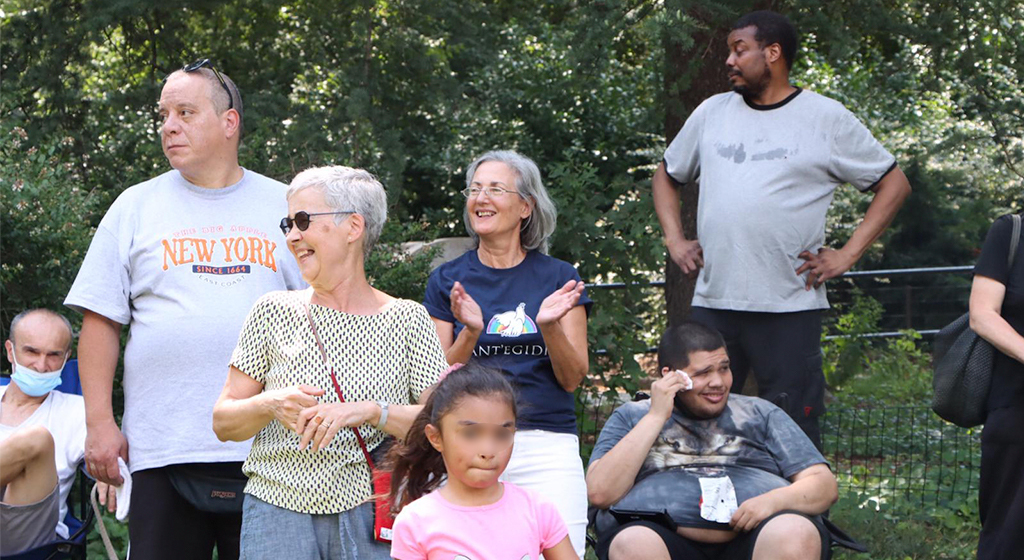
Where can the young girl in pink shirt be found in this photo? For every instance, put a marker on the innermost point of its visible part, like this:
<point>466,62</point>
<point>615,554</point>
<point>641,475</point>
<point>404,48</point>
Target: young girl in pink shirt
<point>445,480</point>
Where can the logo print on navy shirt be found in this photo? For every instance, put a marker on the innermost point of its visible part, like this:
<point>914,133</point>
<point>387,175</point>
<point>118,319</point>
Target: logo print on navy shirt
<point>512,323</point>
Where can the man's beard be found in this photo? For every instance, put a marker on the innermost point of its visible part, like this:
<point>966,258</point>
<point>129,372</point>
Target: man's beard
<point>755,89</point>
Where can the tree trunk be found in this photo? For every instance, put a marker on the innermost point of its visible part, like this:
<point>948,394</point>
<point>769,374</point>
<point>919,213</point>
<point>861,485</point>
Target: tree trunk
<point>695,70</point>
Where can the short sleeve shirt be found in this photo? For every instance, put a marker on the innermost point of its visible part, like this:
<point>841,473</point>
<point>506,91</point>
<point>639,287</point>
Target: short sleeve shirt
<point>766,176</point>
<point>393,356</point>
<point>1007,374</point>
<point>182,265</point>
<point>753,442</point>
<point>509,299</point>
<point>519,526</point>
<point>64,416</point>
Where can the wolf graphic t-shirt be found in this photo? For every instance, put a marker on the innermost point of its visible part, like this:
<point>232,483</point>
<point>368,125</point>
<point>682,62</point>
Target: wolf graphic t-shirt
<point>182,266</point>
<point>753,443</point>
<point>509,299</point>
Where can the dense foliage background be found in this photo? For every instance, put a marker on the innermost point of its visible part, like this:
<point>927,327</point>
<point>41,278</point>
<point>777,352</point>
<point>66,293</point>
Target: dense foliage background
<point>414,89</point>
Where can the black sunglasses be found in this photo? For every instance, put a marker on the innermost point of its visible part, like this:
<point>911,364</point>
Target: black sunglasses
<point>301,220</point>
<point>206,63</point>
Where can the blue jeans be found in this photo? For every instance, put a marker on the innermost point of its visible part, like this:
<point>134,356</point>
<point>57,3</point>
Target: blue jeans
<point>270,532</point>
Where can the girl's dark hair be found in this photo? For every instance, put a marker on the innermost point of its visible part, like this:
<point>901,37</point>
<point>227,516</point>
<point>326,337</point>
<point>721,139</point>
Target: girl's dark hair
<point>416,467</point>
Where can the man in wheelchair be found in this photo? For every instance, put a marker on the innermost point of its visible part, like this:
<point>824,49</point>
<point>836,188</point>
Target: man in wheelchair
<point>695,472</point>
<point>42,433</point>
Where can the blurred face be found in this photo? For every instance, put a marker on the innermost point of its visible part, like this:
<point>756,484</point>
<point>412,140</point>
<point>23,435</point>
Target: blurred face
<point>749,73</point>
<point>496,216</point>
<point>712,380</point>
<point>192,133</point>
<point>475,438</point>
<point>42,343</point>
<point>324,243</point>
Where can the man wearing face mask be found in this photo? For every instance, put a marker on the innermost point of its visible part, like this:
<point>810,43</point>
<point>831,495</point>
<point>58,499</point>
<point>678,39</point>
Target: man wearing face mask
<point>42,433</point>
<point>695,472</point>
<point>767,158</point>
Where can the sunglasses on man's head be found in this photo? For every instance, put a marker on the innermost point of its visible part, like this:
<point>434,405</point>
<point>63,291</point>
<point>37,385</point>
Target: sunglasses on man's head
<point>206,63</point>
<point>301,220</point>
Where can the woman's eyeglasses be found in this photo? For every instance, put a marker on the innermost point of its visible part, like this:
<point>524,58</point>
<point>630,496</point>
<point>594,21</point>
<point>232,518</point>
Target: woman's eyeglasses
<point>491,192</point>
<point>301,220</point>
<point>206,63</point>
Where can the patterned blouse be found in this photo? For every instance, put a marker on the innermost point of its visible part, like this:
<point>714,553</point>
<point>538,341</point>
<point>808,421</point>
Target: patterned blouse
<point>392,356</point>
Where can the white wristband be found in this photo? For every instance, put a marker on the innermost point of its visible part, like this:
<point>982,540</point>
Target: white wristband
<point>383,415</point>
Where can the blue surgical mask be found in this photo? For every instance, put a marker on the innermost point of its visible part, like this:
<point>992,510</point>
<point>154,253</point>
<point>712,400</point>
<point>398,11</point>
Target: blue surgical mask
<point>33,383</point>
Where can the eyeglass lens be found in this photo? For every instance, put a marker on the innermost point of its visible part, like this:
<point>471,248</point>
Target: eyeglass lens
<point>492,192</point>
<point>301,221</point>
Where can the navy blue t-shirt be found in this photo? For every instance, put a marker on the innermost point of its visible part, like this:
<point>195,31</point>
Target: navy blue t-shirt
<point>509,299</point>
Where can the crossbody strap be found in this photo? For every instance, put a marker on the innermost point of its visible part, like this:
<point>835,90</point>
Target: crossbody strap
<point>334,379</point>
<point>1014,240</point>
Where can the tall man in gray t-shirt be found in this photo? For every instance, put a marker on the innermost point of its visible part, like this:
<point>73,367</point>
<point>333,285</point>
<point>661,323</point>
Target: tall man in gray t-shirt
<point>180,259</point>
<point>767,158</point>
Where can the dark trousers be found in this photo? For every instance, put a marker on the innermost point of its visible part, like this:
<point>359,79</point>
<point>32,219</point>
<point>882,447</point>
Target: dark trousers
<point>784,351</point>
<point>1001,494</point>
<point>166,526</point>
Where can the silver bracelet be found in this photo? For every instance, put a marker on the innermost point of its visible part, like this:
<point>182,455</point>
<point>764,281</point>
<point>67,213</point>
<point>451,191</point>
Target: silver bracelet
<point>383,415</point>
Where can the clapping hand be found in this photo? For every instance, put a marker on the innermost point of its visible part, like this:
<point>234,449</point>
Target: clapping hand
<point>556,305</point>
<point>465,309</point>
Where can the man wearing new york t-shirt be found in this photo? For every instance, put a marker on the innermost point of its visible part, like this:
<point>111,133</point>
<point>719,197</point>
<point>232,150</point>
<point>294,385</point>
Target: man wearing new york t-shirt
<point>767,158</point>
<point>180,259</point>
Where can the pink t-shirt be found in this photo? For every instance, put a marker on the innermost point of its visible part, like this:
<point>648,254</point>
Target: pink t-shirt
<point>519,526</point>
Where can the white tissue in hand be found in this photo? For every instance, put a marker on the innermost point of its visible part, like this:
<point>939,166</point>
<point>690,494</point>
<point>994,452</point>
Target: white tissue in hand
<point>686,379</point>
<point>124,492</point>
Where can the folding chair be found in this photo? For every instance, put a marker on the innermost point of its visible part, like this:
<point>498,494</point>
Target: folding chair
<point>78,519</point>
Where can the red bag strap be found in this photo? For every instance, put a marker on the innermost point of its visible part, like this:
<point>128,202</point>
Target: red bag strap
<point>337,387</point>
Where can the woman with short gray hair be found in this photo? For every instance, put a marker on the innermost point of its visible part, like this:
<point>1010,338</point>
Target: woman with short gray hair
<point>508,304</point>
<point>322,376</point>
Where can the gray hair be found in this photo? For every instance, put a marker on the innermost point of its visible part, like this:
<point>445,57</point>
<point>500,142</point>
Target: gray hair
<point>348,189</point>
<point>218,96</point>
<point>538,227</point>
<point>49,313</point>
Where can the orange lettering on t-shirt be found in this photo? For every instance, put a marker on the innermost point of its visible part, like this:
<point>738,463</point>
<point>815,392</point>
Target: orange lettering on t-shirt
<point>255,250</point>
<point>184,255</point>
<point>204,251</point>
<point>268,259</point>
<point>226,242</point>
<point>241,248</point>
<point>168,252</point>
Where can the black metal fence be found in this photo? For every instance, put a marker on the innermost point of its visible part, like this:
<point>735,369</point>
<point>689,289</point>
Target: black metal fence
<point>883,452</point>
<point>901,452</point>
<point>923,299</point>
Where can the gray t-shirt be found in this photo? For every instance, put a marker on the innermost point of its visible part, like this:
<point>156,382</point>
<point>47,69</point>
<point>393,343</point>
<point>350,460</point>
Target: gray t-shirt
<point>182,265</point>
<point>767,175</point>
<point>753,442</point>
